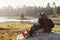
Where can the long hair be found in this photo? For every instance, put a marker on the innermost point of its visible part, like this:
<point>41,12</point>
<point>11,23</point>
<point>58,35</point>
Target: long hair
<point>42,20</point>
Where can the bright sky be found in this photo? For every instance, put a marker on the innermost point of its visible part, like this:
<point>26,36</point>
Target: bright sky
<point>20,3</point>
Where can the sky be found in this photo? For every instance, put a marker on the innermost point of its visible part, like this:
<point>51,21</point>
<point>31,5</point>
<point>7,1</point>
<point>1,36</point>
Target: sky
<point>21,3</point>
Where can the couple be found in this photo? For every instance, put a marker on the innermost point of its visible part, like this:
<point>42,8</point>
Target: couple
<point>43,23</point>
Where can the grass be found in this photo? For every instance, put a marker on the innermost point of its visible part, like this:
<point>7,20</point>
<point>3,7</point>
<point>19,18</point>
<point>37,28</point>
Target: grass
<point>57,30</point>
<point>15,27</point>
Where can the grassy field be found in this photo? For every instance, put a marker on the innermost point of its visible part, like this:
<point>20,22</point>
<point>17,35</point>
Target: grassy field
<point>14,28</point>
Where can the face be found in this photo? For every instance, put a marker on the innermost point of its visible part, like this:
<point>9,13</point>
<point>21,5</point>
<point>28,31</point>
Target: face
<point>40,17</point>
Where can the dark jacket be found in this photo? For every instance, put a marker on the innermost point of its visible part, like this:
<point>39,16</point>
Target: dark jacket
<point>44,23</point>
<point>47,24</point>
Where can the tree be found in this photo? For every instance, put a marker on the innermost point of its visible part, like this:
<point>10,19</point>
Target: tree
<point>58,10</point>
<point>48,9</point>
<point>54,9</point>
<point>48,6</point>
<point>22,15</point>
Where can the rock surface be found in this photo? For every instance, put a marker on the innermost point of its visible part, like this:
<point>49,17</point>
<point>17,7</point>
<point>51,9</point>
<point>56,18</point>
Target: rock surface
<point>45,36</point>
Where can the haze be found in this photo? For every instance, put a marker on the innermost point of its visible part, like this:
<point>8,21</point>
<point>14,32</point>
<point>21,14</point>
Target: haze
<point>21,3</point>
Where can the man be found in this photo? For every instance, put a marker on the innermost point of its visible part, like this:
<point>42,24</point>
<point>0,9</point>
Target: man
<point>45,22</point>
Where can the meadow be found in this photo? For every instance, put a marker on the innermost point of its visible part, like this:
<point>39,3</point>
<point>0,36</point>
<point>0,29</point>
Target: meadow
<point>15,27</point>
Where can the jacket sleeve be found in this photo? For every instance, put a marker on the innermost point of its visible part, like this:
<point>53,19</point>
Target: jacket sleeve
<point>51,24</point>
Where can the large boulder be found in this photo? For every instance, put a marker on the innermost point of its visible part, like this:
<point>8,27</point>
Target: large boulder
<point>45,36</point>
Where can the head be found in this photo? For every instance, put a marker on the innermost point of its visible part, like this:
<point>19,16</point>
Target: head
<point>41,15</point>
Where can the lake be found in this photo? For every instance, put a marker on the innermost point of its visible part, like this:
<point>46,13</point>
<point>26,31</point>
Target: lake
<point>6,19</point>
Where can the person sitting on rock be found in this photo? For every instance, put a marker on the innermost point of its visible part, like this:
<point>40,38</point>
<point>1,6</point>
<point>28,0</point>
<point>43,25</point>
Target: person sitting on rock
<point>45,22</point>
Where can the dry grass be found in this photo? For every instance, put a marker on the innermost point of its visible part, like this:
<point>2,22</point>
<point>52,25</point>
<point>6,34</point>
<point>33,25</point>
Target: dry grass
<point>57,30</point>
<point>15,27</point>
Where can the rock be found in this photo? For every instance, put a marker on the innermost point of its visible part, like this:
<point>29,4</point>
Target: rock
<point>45,36</point>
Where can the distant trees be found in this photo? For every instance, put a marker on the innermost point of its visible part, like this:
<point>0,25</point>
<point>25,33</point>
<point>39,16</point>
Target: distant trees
<point>28,11</point>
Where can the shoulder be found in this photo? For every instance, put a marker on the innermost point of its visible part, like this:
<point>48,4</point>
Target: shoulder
<point>49,20</point>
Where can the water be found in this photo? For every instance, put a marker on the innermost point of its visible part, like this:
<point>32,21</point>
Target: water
<point>6,19</point>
